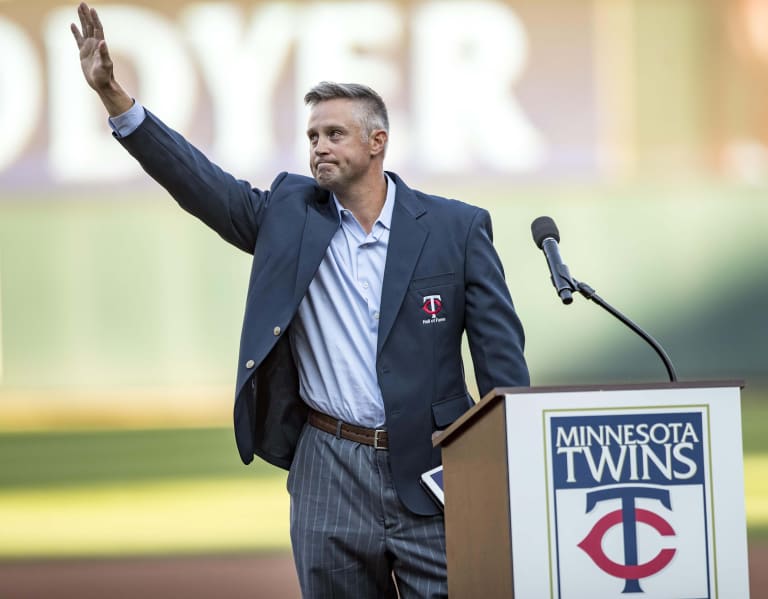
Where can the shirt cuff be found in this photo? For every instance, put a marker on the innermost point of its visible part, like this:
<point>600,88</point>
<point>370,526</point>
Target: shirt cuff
<point>124,124</point>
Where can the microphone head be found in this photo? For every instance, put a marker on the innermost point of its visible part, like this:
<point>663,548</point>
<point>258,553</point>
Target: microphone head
<point>542,228</point>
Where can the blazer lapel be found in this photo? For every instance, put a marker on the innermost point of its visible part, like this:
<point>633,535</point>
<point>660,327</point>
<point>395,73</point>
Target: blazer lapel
<point>321,223</point>
<point>406,240</point>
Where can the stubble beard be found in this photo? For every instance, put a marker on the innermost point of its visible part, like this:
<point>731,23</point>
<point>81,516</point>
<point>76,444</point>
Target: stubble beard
<point>333,179</point>
<point>325,180</point>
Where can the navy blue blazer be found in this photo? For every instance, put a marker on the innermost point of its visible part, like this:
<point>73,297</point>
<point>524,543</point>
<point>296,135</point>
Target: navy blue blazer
<point>436,247</point>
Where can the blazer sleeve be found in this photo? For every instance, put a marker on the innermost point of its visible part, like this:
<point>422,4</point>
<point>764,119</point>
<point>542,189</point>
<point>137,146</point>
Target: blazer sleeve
<point>494,331</point>
<point>228,205</point>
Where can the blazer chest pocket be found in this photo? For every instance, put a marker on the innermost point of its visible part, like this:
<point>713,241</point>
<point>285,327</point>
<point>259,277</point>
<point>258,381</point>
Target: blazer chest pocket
<point>445,411</point>
<point>429,283</point>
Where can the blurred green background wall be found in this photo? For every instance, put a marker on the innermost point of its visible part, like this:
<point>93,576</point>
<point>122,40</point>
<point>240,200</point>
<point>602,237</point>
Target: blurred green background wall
<point>640,126</point>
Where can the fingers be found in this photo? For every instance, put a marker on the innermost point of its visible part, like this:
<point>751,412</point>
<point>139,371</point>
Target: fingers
<point>76,32</point>
<point>98,29</point>
<point>86,20</point>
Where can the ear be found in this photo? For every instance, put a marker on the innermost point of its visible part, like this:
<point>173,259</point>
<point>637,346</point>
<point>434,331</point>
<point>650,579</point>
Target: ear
<point>377,142</point>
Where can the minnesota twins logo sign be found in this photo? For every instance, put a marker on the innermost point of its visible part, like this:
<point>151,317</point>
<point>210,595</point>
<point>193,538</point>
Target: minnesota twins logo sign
<point>628,517</point>
<point>631,507</point>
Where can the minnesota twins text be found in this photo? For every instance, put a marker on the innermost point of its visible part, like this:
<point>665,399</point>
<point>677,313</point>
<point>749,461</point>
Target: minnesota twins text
<point>624,452</point>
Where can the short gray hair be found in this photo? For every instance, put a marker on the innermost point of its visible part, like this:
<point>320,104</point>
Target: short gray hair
<point>374,112</point>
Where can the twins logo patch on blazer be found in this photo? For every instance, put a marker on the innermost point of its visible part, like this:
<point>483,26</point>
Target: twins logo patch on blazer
<point>432,305</point>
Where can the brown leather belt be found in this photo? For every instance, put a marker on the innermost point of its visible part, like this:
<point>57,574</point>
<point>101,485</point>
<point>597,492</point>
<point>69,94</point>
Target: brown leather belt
<point>377,438</point>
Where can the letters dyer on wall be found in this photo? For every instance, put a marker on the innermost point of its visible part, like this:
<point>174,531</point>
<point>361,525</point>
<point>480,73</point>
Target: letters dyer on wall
<point>631,493</point>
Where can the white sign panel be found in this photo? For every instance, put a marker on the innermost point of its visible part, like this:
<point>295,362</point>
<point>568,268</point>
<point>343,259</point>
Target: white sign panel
<point>628,493</point>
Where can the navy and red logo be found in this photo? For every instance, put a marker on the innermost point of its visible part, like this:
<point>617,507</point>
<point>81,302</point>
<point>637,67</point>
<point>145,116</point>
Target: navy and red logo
<point>631,506</point>
<point>432,306</point>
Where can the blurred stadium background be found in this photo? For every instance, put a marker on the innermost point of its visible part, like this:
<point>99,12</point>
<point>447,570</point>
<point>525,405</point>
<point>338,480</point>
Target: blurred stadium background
<point>640,126</point>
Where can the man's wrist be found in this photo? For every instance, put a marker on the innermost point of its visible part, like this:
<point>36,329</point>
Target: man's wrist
<point>115,99</point>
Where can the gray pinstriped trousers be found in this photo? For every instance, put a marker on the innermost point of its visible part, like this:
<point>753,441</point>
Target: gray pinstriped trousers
<point>349,530</point>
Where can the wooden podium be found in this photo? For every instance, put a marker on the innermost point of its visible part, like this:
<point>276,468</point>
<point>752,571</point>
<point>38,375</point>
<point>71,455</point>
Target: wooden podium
<point>597,492</point>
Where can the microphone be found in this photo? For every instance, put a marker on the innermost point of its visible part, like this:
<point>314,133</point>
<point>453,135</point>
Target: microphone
<point>546,236</point>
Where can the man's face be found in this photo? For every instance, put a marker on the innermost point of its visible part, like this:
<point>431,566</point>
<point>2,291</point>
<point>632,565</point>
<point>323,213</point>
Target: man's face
<point>338,154</point>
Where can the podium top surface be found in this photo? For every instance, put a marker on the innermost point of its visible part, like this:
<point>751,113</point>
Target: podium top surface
<point>440,438</point>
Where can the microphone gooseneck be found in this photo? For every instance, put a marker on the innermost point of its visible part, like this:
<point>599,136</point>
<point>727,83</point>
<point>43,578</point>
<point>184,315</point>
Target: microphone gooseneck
<point>547,237</point>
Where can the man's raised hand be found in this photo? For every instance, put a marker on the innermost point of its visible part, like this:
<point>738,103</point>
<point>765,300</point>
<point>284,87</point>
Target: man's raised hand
<point>94,56</point>
<point>96,62</point>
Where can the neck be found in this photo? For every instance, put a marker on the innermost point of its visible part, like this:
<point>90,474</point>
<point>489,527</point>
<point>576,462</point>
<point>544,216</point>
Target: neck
<point>365,200</point>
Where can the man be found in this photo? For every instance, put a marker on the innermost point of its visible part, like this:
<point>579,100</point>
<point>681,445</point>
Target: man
<point>350,355</point>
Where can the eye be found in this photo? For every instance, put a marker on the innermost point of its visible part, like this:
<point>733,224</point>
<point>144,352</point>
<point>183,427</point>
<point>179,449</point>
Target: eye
<point>335,134</point>
<point>312,138</point>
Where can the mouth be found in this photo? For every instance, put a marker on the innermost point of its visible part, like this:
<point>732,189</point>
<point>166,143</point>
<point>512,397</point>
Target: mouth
<point>324,169</point>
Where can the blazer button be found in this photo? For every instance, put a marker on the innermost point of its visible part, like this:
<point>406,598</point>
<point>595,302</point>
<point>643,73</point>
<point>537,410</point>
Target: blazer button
<point>276,331</point>
<point>250,364</point>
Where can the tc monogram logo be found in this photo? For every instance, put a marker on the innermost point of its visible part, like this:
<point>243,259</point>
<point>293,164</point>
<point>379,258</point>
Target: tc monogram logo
<point>432,305</point>
<point>628,516</point>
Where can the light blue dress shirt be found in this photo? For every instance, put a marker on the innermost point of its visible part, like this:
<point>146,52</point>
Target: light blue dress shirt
<point>335,335</point>
<point>126,123</point>
<point>335,332</point>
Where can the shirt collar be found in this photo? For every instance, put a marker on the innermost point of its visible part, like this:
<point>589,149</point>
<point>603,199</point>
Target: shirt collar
<point>385,216</point>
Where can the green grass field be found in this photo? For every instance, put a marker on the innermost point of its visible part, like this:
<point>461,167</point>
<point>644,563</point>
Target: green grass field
<point>181,491</point>
<point>136,492</point>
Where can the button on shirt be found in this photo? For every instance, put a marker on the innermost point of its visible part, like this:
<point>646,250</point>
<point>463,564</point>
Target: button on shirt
<point>335,333</point>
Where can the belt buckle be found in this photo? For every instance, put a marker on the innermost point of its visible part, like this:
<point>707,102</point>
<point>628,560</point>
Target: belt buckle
<point>376,438</point>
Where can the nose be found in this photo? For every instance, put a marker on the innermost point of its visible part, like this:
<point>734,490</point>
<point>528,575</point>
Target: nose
<point>320,147</point>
